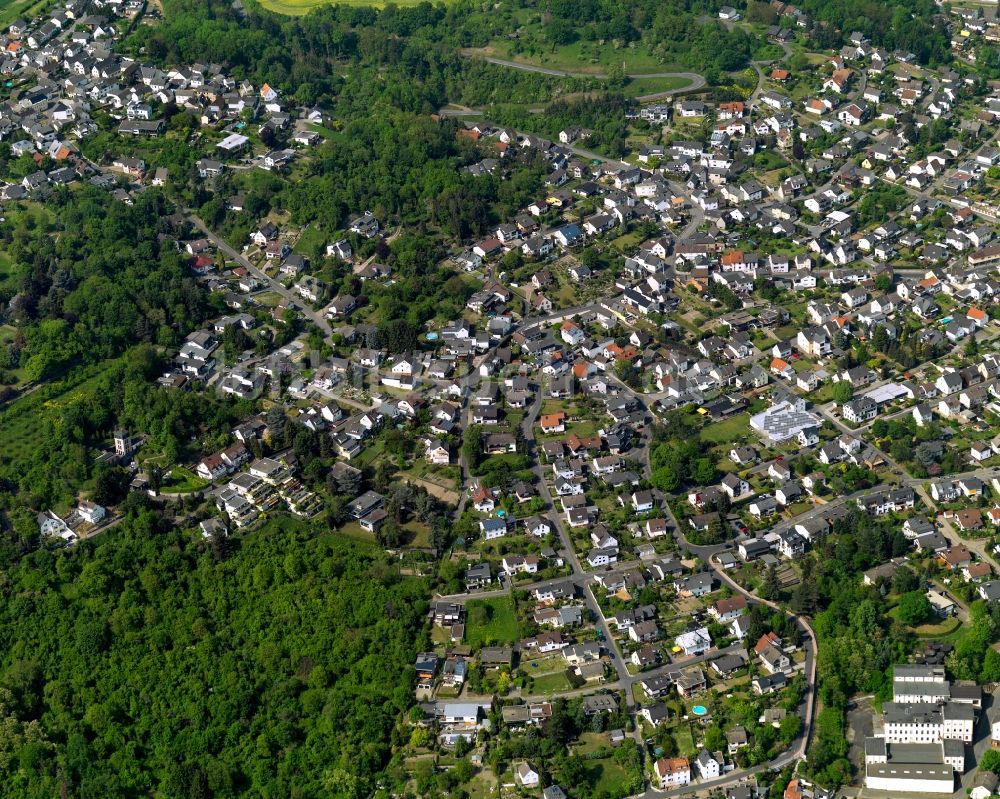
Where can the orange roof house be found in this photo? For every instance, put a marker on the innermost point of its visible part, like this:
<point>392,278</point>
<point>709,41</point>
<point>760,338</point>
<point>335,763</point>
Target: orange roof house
<point>768,639</point>
<point>553,421</point>
<point>575,443</point>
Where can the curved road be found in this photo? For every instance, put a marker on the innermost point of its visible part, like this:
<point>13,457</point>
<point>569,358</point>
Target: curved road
<point>696,80</point>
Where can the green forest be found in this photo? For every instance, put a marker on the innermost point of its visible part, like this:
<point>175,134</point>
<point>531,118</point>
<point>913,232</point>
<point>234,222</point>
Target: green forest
<point>151,662</point>
<point>93,281</point>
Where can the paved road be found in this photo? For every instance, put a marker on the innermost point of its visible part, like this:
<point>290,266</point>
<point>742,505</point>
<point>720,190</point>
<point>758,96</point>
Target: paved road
<point>624,678</point>
<point>318,318</point>
<point>471,381</point>
<point>696,80</point>
<point>707,554</point>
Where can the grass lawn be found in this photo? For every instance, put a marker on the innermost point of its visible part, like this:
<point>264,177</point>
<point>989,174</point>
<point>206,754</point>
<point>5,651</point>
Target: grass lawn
<point>684,738</point>
<point>357,532</point>
<point>591,742</point>
<point>550,683</point>
<point>420,534</point>
<point>823,394</point>
<point>498,625</point>
<point>182,481</point>
<point>583,429</point>
<point>269,299</point>
<point>440,636</point>
<point>326,133</point>
<point>727,430</point>
<point>627,243</point>
<point>481,787</point>
<point>610,777</point>
<point>311,238</point>
<point>944,628</point>
<point>637,87</point>
<point>550,664</point>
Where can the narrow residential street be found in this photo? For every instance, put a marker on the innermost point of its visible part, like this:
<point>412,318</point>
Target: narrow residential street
<point>274,285</point>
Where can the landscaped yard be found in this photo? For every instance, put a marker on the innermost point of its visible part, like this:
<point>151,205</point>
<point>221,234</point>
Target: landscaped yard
<point>311,239</point>
<point>684,738</point>
<point>726,430</point>
<point>611,776</point>
<point>419,534</point>
<point>941,629</point>
<point>182,481</point>
<point>550,683</point>
<point>591,742</point>
<point>491,621</point>
<point>356,531</point>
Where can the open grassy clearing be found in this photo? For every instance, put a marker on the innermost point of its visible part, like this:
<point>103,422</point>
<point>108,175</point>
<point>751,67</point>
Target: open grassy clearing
<point>491,621</point>
<point>583,57</point>
<point>356,532</point>
<point>638,87</point>
<point>551,683</point>
<point>611,775</point>
<point>726,430</point>
<point>181,480</point>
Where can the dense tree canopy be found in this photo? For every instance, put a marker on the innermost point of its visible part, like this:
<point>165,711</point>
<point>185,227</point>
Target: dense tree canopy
<point>95,281</point>
<point>142,664</point>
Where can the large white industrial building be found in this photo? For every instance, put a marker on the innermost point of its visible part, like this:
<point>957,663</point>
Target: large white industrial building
<point>917,723</point>
<point>920,743</point>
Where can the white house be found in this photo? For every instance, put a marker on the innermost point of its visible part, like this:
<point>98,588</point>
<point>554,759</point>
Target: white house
<point>707,765</point>
<point>694,642</point>
<point>672,771</point>
<point>91,512</point>
<point>526,775</point>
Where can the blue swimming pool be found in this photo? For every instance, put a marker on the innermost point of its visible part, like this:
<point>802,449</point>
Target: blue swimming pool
<point>699,710</point>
